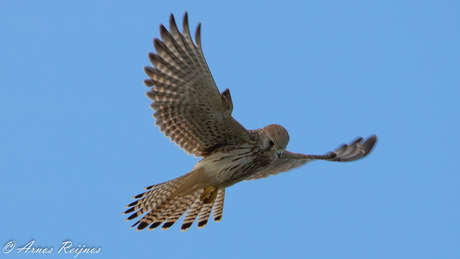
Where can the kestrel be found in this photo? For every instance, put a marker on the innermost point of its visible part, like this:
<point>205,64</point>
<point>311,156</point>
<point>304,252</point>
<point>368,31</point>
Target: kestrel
<point>191,111</point>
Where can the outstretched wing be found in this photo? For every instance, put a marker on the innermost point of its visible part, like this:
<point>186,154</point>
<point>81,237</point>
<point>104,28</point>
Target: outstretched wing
<point>288,160</point>
<point>188,106</point>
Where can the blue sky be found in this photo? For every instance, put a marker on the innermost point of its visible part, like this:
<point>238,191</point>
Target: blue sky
<point>77,139</point>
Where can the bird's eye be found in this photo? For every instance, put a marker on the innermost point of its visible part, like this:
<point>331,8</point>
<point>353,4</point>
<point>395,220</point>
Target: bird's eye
<point>271,143</point>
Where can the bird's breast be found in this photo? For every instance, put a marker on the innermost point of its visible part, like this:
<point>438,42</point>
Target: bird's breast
<point>227,167</point>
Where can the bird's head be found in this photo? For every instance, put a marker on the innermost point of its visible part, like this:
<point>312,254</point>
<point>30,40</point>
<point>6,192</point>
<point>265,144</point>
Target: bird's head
<point>277,138</point>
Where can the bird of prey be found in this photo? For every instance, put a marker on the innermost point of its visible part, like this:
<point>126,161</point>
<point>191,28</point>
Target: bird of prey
<point>190,110</point>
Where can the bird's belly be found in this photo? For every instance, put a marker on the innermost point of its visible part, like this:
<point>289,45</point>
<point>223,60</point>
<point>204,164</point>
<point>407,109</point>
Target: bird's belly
<point>228,168</point>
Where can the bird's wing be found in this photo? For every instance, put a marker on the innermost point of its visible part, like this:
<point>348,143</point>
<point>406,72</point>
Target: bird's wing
<point>288,160</point>
<point>188,106</point>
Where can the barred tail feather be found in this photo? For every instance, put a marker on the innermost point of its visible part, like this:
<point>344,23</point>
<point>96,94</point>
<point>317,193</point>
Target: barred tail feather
<point>169,209</point>
<point>156,217</point>
<point>165,207</point>
<point>191,215</point>
<point>218,208</point>
<point>153,198</point>
<point>204,214</point>
<point>183,206</point>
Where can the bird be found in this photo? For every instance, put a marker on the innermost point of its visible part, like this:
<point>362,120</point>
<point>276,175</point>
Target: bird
<point>190,110</point>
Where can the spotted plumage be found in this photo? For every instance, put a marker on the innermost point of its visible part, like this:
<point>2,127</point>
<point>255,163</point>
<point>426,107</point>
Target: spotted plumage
<point>189,110</point>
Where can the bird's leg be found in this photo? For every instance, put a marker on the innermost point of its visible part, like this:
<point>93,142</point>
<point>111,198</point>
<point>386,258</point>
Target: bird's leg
<point>209,194</point>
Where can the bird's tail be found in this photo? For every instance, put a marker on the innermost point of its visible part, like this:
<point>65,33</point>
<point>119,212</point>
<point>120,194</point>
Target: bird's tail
<point>164,205</point>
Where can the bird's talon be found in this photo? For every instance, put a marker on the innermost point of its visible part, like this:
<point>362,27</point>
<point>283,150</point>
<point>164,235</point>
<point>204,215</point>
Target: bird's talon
<point>209,194</point>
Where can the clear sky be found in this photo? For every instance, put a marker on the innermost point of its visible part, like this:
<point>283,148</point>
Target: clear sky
<point>77,137</point>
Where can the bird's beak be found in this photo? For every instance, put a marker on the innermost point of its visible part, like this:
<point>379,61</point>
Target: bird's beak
<point>279,152</point>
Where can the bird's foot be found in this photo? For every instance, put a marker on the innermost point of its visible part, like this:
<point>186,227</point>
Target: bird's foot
<point>209,194</point>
